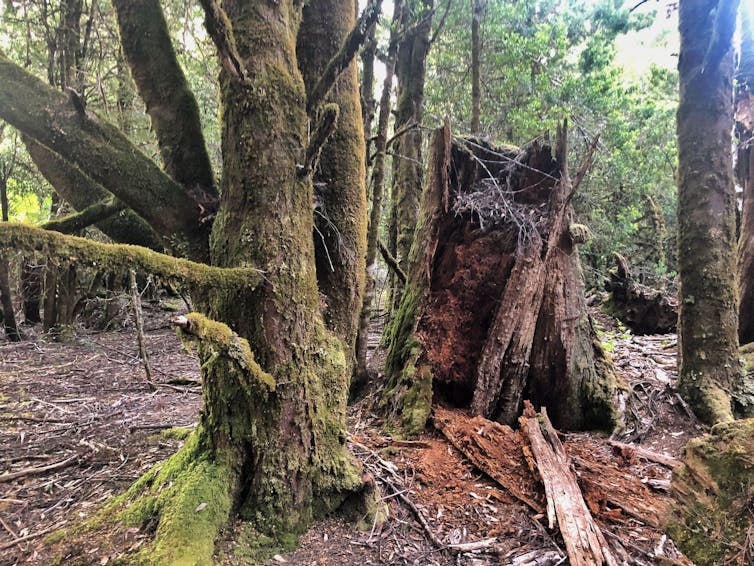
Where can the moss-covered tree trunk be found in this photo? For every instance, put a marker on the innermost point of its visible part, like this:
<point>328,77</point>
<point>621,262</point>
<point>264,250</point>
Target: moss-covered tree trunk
<point>378,192</point>
<point>710,376</point>
<point>271,441</point>
<point>408,164</point>
<point>493,312</point>
<point>340,178</point>
<point>6,301</point>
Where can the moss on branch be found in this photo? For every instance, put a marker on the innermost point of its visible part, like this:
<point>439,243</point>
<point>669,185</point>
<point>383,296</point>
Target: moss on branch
<point>219,336</point>
<point>116,257</point>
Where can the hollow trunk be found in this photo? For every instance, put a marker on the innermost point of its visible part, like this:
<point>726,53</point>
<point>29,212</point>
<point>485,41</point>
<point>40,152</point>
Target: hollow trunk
<point>710,376</point>
<point>494,312</point>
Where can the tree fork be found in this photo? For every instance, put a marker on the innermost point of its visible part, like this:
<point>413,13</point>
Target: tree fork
<point>169,101</point>
<point>103,153</point>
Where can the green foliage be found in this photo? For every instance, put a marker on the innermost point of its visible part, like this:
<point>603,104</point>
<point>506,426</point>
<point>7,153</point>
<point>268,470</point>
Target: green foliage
<point>541,62</point>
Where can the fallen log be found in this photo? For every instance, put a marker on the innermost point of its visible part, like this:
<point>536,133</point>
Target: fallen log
<point>642,309</point>
<point>584,541</point>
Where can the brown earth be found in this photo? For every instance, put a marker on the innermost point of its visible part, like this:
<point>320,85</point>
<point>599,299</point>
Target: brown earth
<point>78,425</point>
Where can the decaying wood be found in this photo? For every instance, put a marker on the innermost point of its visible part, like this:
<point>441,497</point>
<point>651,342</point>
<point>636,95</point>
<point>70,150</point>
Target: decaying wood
<point>649,455</point>
<point>619,489</point>
<point>495,449</point>
<point>585,543</point>
<point>496,312</point>
<point>643,309</point>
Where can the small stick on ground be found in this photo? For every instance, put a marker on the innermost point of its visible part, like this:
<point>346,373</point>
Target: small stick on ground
<point>33,471</point>
<point>143,354</point>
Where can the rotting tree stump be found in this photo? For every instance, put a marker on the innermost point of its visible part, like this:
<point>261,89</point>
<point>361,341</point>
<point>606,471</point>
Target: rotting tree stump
<point>494,310</point>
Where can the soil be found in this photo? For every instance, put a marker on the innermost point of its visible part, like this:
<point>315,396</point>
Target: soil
<point>79,425</point>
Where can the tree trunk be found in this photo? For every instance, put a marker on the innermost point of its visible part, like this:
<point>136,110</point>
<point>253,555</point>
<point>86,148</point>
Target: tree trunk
<point>339,181</point>
<point>6,300</point>
<point>744,114</point>
<point>170,103</point>
<point>710,376</point>
<point>476,80</point>
<point>375,215</point>
<point>408,165</point>
<point>493,311</point>
<point>63,125</point>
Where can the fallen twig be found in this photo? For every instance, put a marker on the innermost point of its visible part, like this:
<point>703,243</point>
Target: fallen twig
<point>34,471</point>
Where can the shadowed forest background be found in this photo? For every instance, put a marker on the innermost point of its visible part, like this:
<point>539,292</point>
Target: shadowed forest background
<point>400,243</point>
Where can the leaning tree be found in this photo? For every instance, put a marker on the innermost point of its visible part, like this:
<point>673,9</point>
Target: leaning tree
<point>270,444</point>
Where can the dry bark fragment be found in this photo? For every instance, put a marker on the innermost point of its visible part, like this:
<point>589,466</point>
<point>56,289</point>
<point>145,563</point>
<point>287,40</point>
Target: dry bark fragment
<point>583,538</point>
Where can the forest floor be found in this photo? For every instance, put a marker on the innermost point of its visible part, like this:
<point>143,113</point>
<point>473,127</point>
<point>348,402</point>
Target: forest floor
<point>78,424</point>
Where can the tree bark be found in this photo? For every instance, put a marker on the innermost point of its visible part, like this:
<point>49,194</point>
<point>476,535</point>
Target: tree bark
<point>408,165</point>
<point>103,153</point>
<point>170,103</point>
<point>493,311</point>
<point>340,214</point>
<point>744,115</point>
<point>81,191</point>
<point>375,214</point>
<point>6,300</point>
<point>710,376</point>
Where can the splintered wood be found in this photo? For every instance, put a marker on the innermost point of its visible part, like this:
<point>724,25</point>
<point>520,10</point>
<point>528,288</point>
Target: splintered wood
<point>585,543</point>
<point>576,484</point>
<point>495,449</point>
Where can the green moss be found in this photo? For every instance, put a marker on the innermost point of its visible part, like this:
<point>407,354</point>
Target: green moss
<point>176,433</point>
<point>120,257</point>
<point>714,493</point>
<point>186,500</point>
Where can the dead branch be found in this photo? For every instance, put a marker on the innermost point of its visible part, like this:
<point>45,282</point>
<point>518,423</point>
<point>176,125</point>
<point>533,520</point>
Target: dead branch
<point>392,263</point>
<point>35,471</point>
<point>344,56</point>
<point>325,127</point>
<point>139,316</point>
<point>32,536</point>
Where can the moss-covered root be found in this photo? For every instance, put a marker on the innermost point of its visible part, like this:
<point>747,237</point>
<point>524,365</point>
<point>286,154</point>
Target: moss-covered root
<point>185,500</point>
<point>714,494</point>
